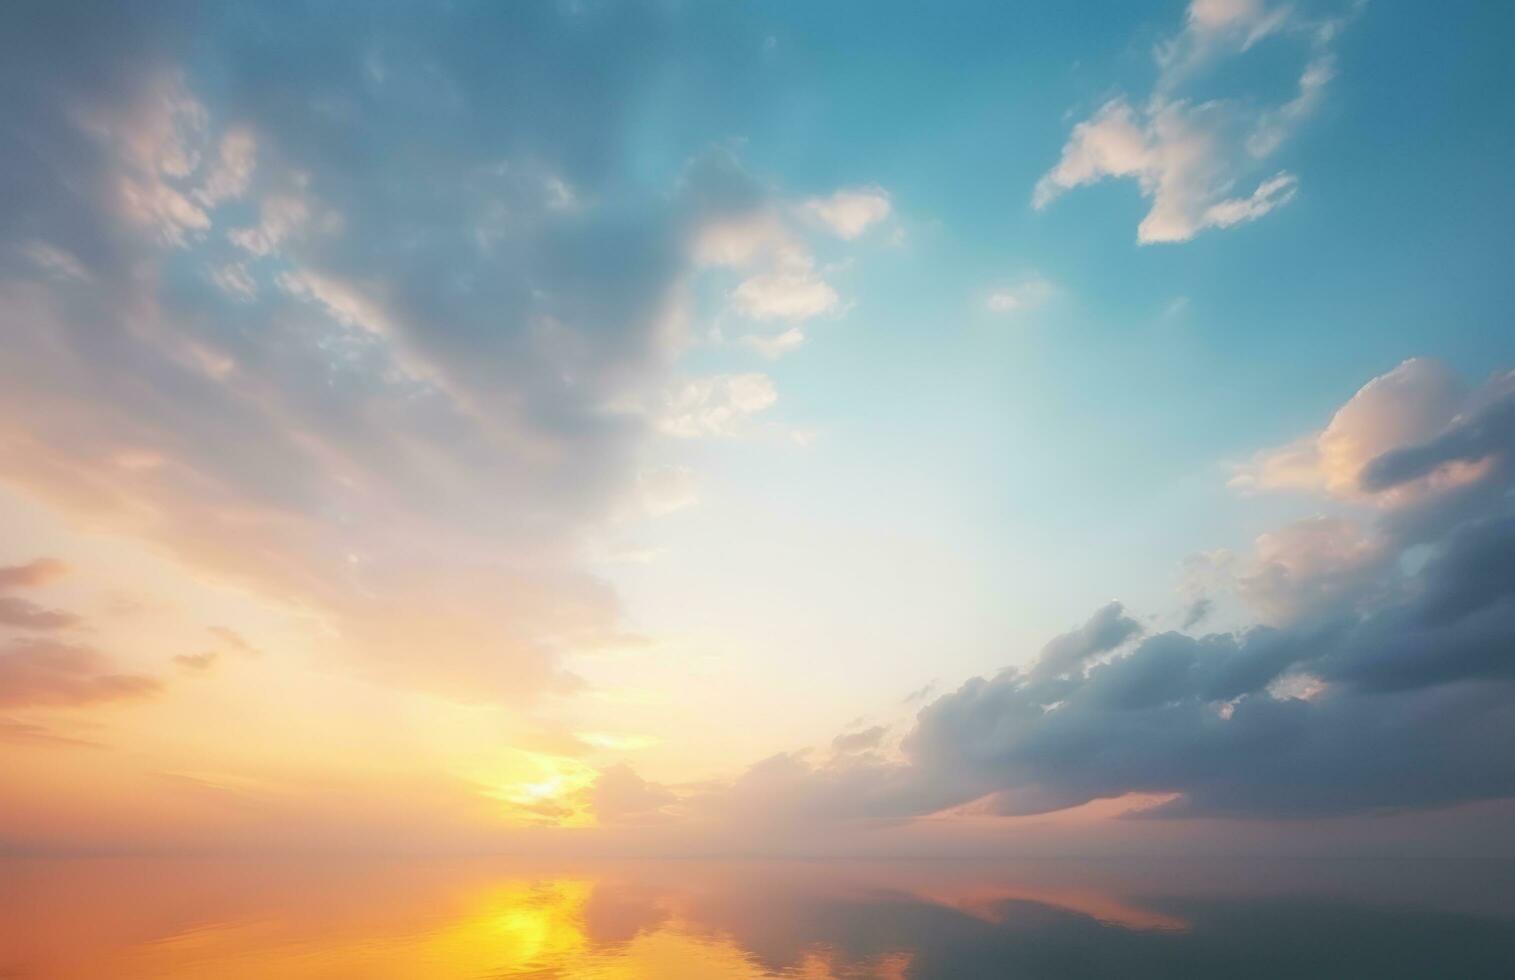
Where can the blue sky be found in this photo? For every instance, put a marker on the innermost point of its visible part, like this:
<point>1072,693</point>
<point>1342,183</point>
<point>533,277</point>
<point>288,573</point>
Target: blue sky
<point>1070,452</point>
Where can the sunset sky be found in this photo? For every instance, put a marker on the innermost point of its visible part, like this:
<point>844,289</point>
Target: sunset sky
<point>756,425</point>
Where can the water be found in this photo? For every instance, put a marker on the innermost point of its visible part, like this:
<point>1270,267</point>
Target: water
<point>384,920</point>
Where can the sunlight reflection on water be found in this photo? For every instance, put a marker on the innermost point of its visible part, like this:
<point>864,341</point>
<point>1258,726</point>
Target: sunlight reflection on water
<point>412,919</point>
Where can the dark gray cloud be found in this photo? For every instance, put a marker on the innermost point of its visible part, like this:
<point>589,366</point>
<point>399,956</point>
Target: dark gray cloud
<point>1106,629</point>
<point>1198,611</point>
<point>1486,432</point>
<point>1389,696</point>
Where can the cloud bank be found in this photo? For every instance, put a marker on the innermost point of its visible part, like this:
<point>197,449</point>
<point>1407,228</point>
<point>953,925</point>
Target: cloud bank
<point>1382,677</point>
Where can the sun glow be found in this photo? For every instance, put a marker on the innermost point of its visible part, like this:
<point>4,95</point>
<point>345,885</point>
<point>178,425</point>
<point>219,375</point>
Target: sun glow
<point>553,790</point>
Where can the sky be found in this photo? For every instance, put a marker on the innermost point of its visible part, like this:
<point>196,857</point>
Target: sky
<point>756,426</point>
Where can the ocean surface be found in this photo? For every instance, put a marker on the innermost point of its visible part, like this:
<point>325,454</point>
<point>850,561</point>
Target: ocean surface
<point>295,918</point>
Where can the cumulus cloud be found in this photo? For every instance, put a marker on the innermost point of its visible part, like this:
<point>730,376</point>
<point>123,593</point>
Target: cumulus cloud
<point>1189,155</point>
<point>792,291</point>
<point>1408,405</point>
<point>850,213</point>
<point>751,229</point>
<point>715,406</point>
<point>1106,629</point>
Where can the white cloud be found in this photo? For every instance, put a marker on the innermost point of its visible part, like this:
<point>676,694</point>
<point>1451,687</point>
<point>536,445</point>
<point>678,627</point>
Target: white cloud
<point>776,345</point>
<point>1276,125</point>
<point>792,291</point>
<point>737,241</point>
<point>1180,158</point>
<point>1308,565</point>
<point>665,489</point>
<point>1020,297</point>
<point>1214,27</point>
<point>1274,192</point>
<point>344,302</point>
<point>717,405</point>
<point>850,213</point>
<point>1189,155</point>
<point>1407,405</point>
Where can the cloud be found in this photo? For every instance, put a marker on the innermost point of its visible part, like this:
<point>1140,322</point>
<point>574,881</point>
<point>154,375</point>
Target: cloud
<point>47,673</point>
<point>1106,629</point>
<point>1481,433</point>
<point>860,741</point>
<point>1381,684</point>
<point>1176,152</point>
<point>793,291</point>
<point>234,279</point>
<point>1020,297</point>
<point>1189,155</point>
<point>1408,405</point>
<point>715,406</point>
<point>26,733</point>
<point>619,795</point>
<point>440,336</point>
<point>231,638</point>
<point>228,177</point>
<point>778,344</point>
<point>24,614</point>
<point>281,216</point>
<point>54,261</point>
<point>750,228</point>
<point>197,662</point>
<point>850,213</point>
<point>38,572</point>
<point>665,489</point>
<point>1199,610</point>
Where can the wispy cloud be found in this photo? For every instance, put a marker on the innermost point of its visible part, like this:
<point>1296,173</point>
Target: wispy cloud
<point>1189,155</point>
